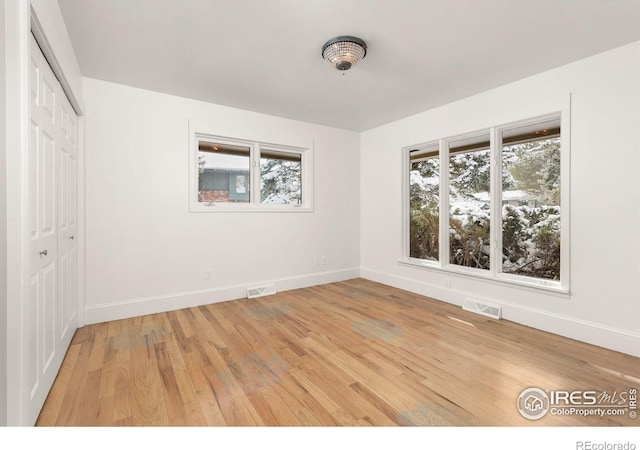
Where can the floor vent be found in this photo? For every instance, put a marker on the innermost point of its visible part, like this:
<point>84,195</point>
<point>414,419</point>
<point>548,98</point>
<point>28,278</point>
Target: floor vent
<point>261,291</point>
<point>482,307</point>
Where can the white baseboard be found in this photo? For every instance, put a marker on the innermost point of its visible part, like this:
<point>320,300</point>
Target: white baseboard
<point>624,341</point>
<point>612,338</point>
<point>170,302</point>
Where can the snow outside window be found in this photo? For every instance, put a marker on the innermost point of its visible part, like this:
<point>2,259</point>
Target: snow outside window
<point>280,177</point>
<point>424,201</point>
<point>504,188</point>
<point>531,210</point>
<point>469,202</point>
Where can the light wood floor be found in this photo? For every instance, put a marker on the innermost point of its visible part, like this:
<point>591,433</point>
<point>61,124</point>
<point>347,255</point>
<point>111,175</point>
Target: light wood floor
<point>343,354</point>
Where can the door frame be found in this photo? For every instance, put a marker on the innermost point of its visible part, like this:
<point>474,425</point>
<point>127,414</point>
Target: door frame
<point>20,20</point>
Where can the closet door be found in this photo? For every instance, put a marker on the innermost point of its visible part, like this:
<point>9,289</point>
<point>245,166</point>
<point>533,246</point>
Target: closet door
<point>51,310</point>
<point>67,222</point>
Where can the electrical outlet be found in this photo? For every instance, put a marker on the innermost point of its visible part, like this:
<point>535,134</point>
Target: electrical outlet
<point>316,261</point>
<point>447,283</point>
<point>323,261</point>
<point>207,274</point>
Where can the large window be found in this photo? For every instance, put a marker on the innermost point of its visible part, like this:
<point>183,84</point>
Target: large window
<point>489,203</point>
<point>236,175</point>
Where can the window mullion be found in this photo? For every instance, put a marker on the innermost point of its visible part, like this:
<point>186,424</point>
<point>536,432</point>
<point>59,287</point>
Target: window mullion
<point>255,174</point>
<point>444,203</point>
<point>406,210</point>
<point>495,199</point>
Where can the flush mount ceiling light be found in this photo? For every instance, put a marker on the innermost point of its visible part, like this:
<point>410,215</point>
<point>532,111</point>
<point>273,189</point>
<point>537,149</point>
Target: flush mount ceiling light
<point>343,52</point>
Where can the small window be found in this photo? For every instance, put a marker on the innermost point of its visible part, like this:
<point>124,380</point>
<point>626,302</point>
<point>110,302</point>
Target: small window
<point>236,175</point>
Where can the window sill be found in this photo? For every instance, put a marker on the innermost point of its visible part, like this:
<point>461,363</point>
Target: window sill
<point>236,207</point>
<point>549,287</point>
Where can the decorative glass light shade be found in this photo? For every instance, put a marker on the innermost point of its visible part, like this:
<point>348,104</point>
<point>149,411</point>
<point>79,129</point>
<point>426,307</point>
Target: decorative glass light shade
<point>343,52</point>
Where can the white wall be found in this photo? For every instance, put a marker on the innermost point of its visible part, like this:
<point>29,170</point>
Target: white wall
<point>146,252</point>
<point>3,226</point>
<point>604,307</point>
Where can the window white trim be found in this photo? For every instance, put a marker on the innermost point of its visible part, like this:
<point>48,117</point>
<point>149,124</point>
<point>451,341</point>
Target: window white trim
<point>255,205</point>
<point>512,280</point>
<point>494,274</point>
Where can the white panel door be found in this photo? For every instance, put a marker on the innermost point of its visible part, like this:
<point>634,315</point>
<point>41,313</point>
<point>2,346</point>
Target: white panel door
<point>51,310</point>
<point>67,222</point>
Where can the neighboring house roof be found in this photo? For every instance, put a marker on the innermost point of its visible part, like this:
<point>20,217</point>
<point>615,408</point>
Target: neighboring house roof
<point>220,170</point>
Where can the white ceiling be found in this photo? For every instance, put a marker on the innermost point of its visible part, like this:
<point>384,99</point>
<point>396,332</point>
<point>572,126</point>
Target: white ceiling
<point>264,55</point>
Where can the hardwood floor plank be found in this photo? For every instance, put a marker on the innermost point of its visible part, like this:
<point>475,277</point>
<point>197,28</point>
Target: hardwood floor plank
<point>231,400</point>
<point>147,393</point>
<point>171,393</point>
<point>339,414</point>
<point>121,393</point>
<point>352,353</point>
<point>55,400</point>
<point>73,394</point>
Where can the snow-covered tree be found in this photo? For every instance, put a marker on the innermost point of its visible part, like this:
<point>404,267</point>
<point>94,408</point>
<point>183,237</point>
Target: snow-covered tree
<point>469,211</point>
<point>280,181</point>
<point>531,233</point>
<point>530,212</point>
<point>535,168</point>
<point>424,200</point>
